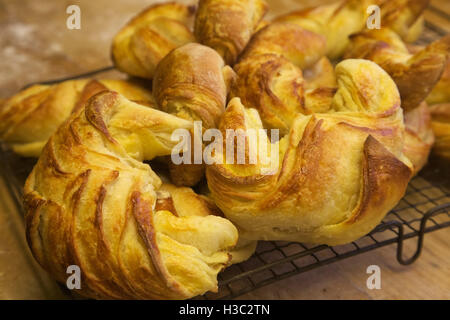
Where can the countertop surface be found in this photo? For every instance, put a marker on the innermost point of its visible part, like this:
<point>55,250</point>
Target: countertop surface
<point>35,45</point>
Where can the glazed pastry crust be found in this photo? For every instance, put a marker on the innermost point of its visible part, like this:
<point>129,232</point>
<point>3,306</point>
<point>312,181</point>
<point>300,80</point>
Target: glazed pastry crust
<point>338,20</point>
<point>335,21</point>
<point>29,118</point>
<point>441,92</point>
<point>319,193</point>
<point>227,25</point>
<point>415,74</point>
<point>89,200</point>
<point>150,36</point>
<point>192,82</point>
<point>270,78</point>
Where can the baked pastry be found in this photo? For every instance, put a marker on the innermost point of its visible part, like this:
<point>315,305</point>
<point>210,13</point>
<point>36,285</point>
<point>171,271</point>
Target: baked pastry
<point>192,82</point>
<point>441,92</point>
<point>313,191</point>
<point>227,25</point>
<point>338,20</point>
<point>30,117</point>
<point>335,21</point>
<point>150,36</point>
<point>90,199</point>
<point>419,136</point>
<point>404,17</point>
<point>415,74</point>
<point>441,127</point>
<point>440,110</point>
<point>270,77</point>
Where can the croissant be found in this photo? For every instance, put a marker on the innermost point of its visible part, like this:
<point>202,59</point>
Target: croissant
<point>270,78</point>
<point>227,25</point>
<point>415,74</point>
<point>441,127</point>
<point>439,98</point>
<point>335,21</point>
<point>192,83</point>
<point>89,199</point>
<point>419,136</point>
<point>441,92</point>
<point>316,192</point>
<point>338,20</point>
<point>30,117</point>
<point>150,36</point>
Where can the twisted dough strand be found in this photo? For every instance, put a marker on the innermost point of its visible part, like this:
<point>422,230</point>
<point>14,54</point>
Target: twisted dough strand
<point>311,197</point>
<point>29,118</point>
<point>89,199</point>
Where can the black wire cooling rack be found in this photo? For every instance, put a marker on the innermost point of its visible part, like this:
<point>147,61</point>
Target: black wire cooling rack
<point>424,208</point>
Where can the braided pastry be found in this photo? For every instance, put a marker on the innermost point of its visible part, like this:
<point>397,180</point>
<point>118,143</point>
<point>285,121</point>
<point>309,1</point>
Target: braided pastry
<point>30,117</point>
<point>88,200</point>
<point>90,197</point>
<point>227,25</point>
<point>192,83</point>
<point>320,193</point>
<point>150,36</point>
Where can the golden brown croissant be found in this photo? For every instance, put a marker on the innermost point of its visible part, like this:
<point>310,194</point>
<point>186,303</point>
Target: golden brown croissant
<point>337,174</point>
<point>192,83</point>
<point>439,99</point>
<point>404,17</point>
<point>227,25</point>
<point>30,117</point>
<point>335,21</point>
<point>150,36</point>
<point>90,202</point>
<point>415,74</point>
<point>270,78</point>
<point>441,127</point>
<point>441,92</point>
<point>419,137</point>
<point>338,20</point>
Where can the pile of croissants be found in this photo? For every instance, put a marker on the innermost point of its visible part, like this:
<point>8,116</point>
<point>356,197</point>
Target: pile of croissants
<point>358,111</point>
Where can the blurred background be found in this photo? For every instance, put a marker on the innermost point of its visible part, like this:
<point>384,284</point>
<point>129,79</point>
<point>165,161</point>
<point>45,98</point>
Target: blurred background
<point>35,45</point>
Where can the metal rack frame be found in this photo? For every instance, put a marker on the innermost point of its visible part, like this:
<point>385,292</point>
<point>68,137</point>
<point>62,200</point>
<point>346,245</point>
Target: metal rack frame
<point>424,208</point>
